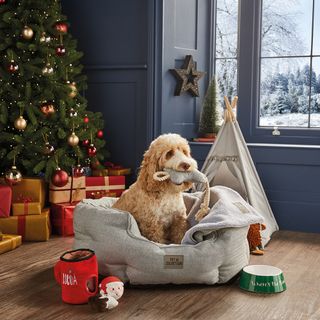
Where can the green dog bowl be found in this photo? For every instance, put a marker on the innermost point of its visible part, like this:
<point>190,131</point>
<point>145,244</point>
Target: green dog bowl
<point>262,279</point>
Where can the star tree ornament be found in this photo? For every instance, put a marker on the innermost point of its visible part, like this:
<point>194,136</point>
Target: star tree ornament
<point>27,33</point>
<point>20,123</point>
<point>187,77</point>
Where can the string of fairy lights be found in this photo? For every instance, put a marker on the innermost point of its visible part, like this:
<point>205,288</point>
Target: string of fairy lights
<point>48,41</point>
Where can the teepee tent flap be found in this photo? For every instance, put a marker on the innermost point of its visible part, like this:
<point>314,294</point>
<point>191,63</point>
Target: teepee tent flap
<point>229,163</point>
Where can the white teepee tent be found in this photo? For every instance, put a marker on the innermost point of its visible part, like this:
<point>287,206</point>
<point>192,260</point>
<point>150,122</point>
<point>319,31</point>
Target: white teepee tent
<point>229,163</point>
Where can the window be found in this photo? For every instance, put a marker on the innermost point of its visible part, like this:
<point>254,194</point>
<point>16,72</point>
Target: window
<point>226,46</point>
<point>290,64</point>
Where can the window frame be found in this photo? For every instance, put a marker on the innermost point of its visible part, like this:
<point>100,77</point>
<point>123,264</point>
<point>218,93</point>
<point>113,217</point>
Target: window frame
<point>249,49</point>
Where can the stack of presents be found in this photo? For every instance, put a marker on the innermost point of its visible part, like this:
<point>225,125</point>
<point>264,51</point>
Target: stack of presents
<point>27,214</point>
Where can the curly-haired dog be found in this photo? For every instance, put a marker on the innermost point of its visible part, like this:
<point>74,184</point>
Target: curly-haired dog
<point>158,206</point>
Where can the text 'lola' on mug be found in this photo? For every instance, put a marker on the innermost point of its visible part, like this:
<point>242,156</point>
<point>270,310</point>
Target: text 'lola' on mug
<point>77,274</point>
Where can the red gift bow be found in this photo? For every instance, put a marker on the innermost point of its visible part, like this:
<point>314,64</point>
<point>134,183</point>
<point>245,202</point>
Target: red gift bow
<point>111,165</point>
<point>24,200</point>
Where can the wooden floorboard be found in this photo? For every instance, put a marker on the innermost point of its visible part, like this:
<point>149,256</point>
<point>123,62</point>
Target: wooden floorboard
<point>28,289</point>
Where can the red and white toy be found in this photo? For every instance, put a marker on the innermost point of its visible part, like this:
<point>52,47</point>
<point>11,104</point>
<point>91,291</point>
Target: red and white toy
<point>112,289</point>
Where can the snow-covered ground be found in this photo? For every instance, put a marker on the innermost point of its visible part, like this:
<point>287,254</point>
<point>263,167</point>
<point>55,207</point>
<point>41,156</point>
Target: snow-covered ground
<point>291,120</point>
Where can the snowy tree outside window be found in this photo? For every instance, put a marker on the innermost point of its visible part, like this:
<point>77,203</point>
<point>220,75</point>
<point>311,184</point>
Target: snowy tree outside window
<point>226,49</point>
<point>289,60</point>
<point>290,63</point>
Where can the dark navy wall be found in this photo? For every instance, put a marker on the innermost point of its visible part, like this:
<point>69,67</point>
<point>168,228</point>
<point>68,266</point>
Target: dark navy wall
<point>114,37</point>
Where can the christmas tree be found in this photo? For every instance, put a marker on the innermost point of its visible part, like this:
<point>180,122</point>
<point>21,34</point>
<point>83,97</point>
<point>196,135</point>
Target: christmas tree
<point>209,114</point>
<point>44,123</point>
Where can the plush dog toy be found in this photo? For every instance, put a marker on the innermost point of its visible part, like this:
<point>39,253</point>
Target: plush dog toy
<point>110,290</point>
<point>178,177</point>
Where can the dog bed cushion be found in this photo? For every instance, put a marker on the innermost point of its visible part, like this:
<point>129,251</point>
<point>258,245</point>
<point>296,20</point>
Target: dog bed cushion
<point>219,253</point>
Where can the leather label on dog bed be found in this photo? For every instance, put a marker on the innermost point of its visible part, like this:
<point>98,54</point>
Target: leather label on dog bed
<point>173,261</point>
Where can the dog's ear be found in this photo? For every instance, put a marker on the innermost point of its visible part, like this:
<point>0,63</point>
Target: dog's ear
<point>149,166</point>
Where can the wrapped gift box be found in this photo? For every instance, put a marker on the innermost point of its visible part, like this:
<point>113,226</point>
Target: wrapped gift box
<point>73,191</point>
<point>100,194</point>
<point>114,184</point>
<point>28,196</point>
<point>100,172</point>
<point>9,242</point>
<point>30,227</point>
<point>25,208</point>
<point>62,218</point>
<point>5,201</point>
<point>119,172</point>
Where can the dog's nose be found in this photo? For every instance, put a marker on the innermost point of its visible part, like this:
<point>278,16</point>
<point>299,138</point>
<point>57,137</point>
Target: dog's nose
<point>185,166</point>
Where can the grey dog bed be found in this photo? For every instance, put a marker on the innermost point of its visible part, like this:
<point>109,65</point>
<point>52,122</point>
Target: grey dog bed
<point>219,250</point>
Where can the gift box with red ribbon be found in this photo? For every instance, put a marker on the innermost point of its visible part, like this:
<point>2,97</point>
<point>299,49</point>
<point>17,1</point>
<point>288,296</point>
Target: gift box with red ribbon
<point>62,218</point>
<point>25,206</point>
<point>116,170</point>
<point>114,184</point>
<point>73,191</point>
<point>30,227</point>
<point>5,201</point>
<point>28,197</point>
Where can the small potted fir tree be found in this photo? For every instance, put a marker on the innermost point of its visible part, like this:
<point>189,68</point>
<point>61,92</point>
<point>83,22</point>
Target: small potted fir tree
<point>208,126</point>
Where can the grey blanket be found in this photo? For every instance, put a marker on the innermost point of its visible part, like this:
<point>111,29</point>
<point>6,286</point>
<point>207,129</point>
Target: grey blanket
<point>228,210</point>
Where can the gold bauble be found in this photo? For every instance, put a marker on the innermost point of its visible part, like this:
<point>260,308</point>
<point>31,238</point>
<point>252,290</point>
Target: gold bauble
<point>20,123</point>
<point>47,70</point>
<point>27,33</point>
<point>73,89</point>
<point>73,139</point>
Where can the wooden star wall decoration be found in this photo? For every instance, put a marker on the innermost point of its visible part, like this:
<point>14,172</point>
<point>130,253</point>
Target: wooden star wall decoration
<point>187,78</point>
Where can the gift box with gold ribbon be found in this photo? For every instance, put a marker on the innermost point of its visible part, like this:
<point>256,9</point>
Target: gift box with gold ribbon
<point>9,242</point>
<point>73,191</point>
<point>115,184</point>
<point>30,227</point>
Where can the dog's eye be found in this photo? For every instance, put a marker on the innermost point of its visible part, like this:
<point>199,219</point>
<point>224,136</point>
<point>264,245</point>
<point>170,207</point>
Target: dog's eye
<point>186,153</point>
<point>169,154</point>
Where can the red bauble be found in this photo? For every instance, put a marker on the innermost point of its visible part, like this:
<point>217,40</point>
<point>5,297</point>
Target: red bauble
<point>78,171</point>
<point>61,27</point>
<point>3,1</point>
<point>92,150</point>
<point>13,67</point>
<point>59,178</point>
<point>60,51</point>
<point>100,134</point>
<point>85,143</point>
<point>86,120</point>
